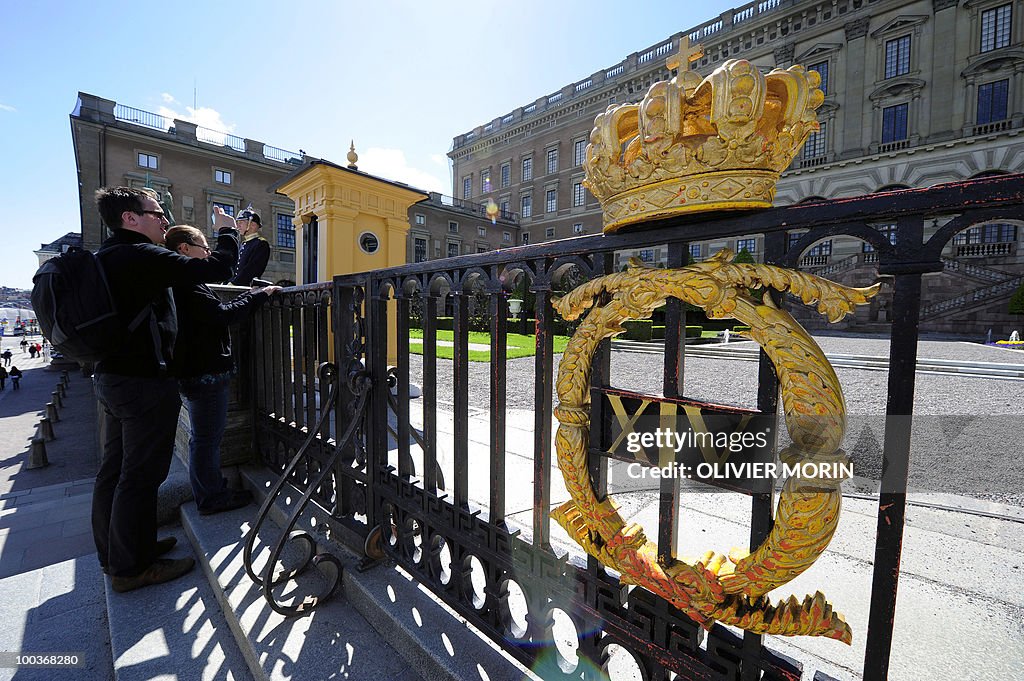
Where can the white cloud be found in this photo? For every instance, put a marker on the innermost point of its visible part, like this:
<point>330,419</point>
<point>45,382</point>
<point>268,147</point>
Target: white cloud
<point>391,164</point>
<point>203,116</point>
<point>440,159</point>
<point>7,107</point>
<point>168,98</point>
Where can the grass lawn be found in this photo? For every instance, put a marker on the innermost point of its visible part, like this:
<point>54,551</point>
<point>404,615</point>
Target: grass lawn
<point>517,345</point>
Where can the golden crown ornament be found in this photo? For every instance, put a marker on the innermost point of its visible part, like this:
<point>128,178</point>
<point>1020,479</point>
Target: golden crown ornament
<point>693,144</point>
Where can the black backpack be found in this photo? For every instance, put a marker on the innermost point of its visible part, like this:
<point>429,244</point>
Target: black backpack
<point>75,310</point>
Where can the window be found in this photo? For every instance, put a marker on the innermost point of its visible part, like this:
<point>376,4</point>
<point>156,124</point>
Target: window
<point>823,248</point>
<point>577,228</point>
<point>222,176</point>
<point>578,194</point>
<point>549,233</point>
<point>887,230</point>
<point>526,206</point>
<point>148,161</point>
<point>551,201</point>
<point>579,152</point>
<point>506,174</point>
<point>485,181</point>
<point>647,254</point>
<point>995,28</point>
<point>695,251</point>
<point>419,250</point>
<point>453,227</point>
<point>992,98</point>
<point>897,57</point>
<point>421,219</point>
<point>552,160</point>
<point>527,169</point>
<point>503,208</point>
<point>285,231</point>
<point>997,233</point>
<point>894,123</point>
<point>467,187</point>
<point>482,249</point>
<point>453,249</point>
<point>228,208</point>
<point>748,245</point>
<point>822,69</point>
<point>526,238</point>
<point>506,237</point>
<point>481,231</point>
<point>815,144</point>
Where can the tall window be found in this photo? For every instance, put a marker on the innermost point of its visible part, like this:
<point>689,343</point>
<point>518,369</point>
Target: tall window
<point>526,206</point>
<point>823,248</point>
<point>467,187</point>
<point>897,57</point>
<point>419,252</point>
<point>992,98</point>
<point>527,169</point>
<point>453,249</point>
<point>285,231</point>
<point>226,207</point>
<point>485,180</point>
<point>695,251</point>
<point>506,174</point>
<point>996,233</point>
<point>995,28</point>
<point>647,254</point>
<point>526,238</point>
<point>748,245</point>
<point>815,144</point>
<point>894,123</point>
<point>822,69</point>
<point>147,161</point>
<point>503,208</point>
<point>887,230</point>
<point>453,227</point>
<point>578,194</point>
<point>579,152</point>
<point>552,157</point>
<point>481,231</point>
<point>551,201</point>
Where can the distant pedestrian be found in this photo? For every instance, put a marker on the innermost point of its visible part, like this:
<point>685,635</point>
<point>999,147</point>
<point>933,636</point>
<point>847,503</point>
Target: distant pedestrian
<point>32,351</point>
<point>6,357</point>
<point>15,374</point>
<point>24,345</point>
<point>3,377</point>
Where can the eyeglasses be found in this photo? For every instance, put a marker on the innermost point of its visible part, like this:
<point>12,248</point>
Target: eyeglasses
<point>158,213</point>
<point>205,248</point>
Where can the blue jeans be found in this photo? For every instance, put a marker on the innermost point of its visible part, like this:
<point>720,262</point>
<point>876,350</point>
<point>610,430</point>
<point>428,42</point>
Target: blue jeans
<point>138,420</point>
<point>207,403</point>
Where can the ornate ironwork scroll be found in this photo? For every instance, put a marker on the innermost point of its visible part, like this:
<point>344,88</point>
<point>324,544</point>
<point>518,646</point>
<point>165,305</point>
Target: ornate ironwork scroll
<point>358,383</point>
<point>729,589</point>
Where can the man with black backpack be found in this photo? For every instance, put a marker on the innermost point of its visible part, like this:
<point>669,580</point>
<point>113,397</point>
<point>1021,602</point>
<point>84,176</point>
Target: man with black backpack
<point>139,400</point>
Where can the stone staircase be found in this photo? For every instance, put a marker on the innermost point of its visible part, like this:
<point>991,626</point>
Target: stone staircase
<point>216,624</point>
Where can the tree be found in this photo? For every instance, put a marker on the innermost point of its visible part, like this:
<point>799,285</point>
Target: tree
<point>1017,301</point>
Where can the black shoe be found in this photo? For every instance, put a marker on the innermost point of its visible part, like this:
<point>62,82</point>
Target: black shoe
<point>164,545</point>
<point>160,571</point>
<point>229,501</point>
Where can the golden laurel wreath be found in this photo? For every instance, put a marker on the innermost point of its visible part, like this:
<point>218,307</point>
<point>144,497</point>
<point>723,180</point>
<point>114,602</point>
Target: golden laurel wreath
<point>729,589</point>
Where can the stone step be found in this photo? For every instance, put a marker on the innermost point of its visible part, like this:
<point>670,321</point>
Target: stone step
<point>175,629</point>
<point>57,610</point>
<point>378,625</point>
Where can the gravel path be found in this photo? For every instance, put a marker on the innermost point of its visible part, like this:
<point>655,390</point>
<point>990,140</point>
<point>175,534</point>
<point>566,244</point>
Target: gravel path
<point>966,430</point>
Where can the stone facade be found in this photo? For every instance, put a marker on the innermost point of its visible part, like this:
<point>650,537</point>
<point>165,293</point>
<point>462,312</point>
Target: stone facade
<point>917,93</point>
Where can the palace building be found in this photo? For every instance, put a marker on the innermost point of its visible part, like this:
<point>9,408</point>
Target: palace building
<point>916,93</point>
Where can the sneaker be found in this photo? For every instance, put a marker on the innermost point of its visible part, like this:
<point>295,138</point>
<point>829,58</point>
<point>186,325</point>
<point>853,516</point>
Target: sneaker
<point>161,570</point>
<point>229,501</point>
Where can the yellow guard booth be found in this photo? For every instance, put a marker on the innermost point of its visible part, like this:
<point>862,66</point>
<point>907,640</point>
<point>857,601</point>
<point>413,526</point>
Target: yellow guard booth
<point>348,221</point>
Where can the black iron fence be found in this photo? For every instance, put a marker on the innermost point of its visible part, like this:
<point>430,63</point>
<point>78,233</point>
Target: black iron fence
<point>454,533</point>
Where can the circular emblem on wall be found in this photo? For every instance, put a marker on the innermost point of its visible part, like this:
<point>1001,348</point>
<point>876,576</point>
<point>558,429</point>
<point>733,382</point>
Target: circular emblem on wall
<point>369,242</point>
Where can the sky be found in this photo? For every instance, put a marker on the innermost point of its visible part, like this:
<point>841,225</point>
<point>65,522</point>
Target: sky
<point>399,78</point>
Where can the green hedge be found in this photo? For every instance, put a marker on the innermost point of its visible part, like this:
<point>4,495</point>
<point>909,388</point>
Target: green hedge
<point>658,332</point>
<point>694,331</point>
<point>638,330</point>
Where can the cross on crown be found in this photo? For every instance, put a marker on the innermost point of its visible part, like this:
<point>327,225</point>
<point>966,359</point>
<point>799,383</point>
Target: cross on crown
<point>686,55</point>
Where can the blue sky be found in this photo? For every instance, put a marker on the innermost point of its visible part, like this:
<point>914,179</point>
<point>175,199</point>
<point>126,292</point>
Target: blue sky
<point>400,78</point>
